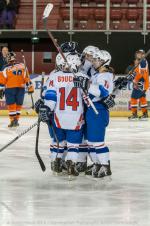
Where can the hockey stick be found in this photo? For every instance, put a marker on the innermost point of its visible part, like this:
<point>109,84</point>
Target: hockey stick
<point>38,133</point>
<point>24,61</point>
<point>46,14</point>
<point>17,137</point>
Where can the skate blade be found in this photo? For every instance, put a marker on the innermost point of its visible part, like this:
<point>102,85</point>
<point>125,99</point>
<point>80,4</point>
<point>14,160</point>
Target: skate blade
<point>72,178</point>
<point>56,174</point>
<point>99,179</point>
<point>143,119</point>
<point>134,120</point>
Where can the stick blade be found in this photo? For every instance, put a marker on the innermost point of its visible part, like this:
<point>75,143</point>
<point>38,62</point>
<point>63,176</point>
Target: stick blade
<point>47,10</point>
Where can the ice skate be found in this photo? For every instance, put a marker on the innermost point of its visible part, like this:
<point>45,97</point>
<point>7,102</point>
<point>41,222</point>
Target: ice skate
<point>81,166</point>
<point>133,117</point>
<point>89,170</point>
<point>71,168</point>
<point>95,170</point>
<point>16,123</point>
<point>11,124</point>
<point>57,165</point>
<point>144,117</point>
<point>104,171</point>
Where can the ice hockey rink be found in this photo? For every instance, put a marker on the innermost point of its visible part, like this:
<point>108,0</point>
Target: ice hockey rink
<point>30,197</point>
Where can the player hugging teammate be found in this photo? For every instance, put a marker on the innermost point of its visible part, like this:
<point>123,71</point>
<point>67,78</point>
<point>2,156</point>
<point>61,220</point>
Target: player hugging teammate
<point>67,107</point>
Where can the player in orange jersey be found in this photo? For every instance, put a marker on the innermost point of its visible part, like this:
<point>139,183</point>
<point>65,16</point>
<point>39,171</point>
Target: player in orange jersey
<point>14,78</point>
<point>140,86</point>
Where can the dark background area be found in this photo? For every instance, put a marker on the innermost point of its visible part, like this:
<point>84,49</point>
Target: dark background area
<point>122,46</point>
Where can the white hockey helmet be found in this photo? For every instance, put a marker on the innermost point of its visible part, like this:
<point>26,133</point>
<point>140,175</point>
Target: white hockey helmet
<point>74,62</point>
<point>60,62</point>
<point>98,59</point>
<point>90,50</point>
<point>106,57</point>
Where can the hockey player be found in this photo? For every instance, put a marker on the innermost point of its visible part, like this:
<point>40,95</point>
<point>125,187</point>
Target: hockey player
<point>13,79</point>
<point>99,87</point>
<point>65,101</point>
<point>86,58</point>
<point>89,70</point>
<point>140,86</point>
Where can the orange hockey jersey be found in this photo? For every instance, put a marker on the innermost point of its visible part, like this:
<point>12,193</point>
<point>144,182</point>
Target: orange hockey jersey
<point>142,74</point>
<point>14,76</point>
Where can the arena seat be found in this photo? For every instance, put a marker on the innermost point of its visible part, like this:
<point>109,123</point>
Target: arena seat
<point>132,2</point>
<point>100,14</point>
<point>115,18</point>
<point>116,1</point>
<point>100,2</point>
<point>85,13</point>
<point>100,18</point>
<point>148,19</point>
<point>116,14</point>
<point>66,1</point>
<point>148,14</point>
<point>64,12</point>
<point>85,1</point>
<point>132,16</point>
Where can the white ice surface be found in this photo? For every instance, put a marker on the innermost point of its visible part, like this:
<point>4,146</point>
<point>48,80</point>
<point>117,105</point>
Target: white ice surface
<point>30,197</point>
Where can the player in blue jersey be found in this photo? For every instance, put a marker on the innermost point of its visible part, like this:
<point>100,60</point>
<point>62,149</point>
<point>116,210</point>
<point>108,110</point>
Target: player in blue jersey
<point>99,88</point>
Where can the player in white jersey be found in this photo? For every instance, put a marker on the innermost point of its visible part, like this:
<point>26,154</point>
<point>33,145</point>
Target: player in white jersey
<point>65,101</point>
<point>87,57</point>
<point>99,89</point>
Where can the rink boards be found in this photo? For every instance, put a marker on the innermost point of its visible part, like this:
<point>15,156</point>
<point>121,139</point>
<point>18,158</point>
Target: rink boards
<point>122,108</point>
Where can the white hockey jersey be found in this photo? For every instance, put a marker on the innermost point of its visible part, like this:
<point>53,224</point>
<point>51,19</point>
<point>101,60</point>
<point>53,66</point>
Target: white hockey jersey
<point>101,85</point>
<point>86,66</point>
<point>66,101</point>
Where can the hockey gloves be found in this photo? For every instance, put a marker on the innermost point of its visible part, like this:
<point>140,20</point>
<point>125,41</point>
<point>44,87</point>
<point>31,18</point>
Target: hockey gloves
<point>121,82</point>
<point>39,103</point>
<point>45,113</point>
<point>69,47</point>
<point>140,86</point>
<point>30,87</point>
<point>109,101</point>
<point>81,82</point>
